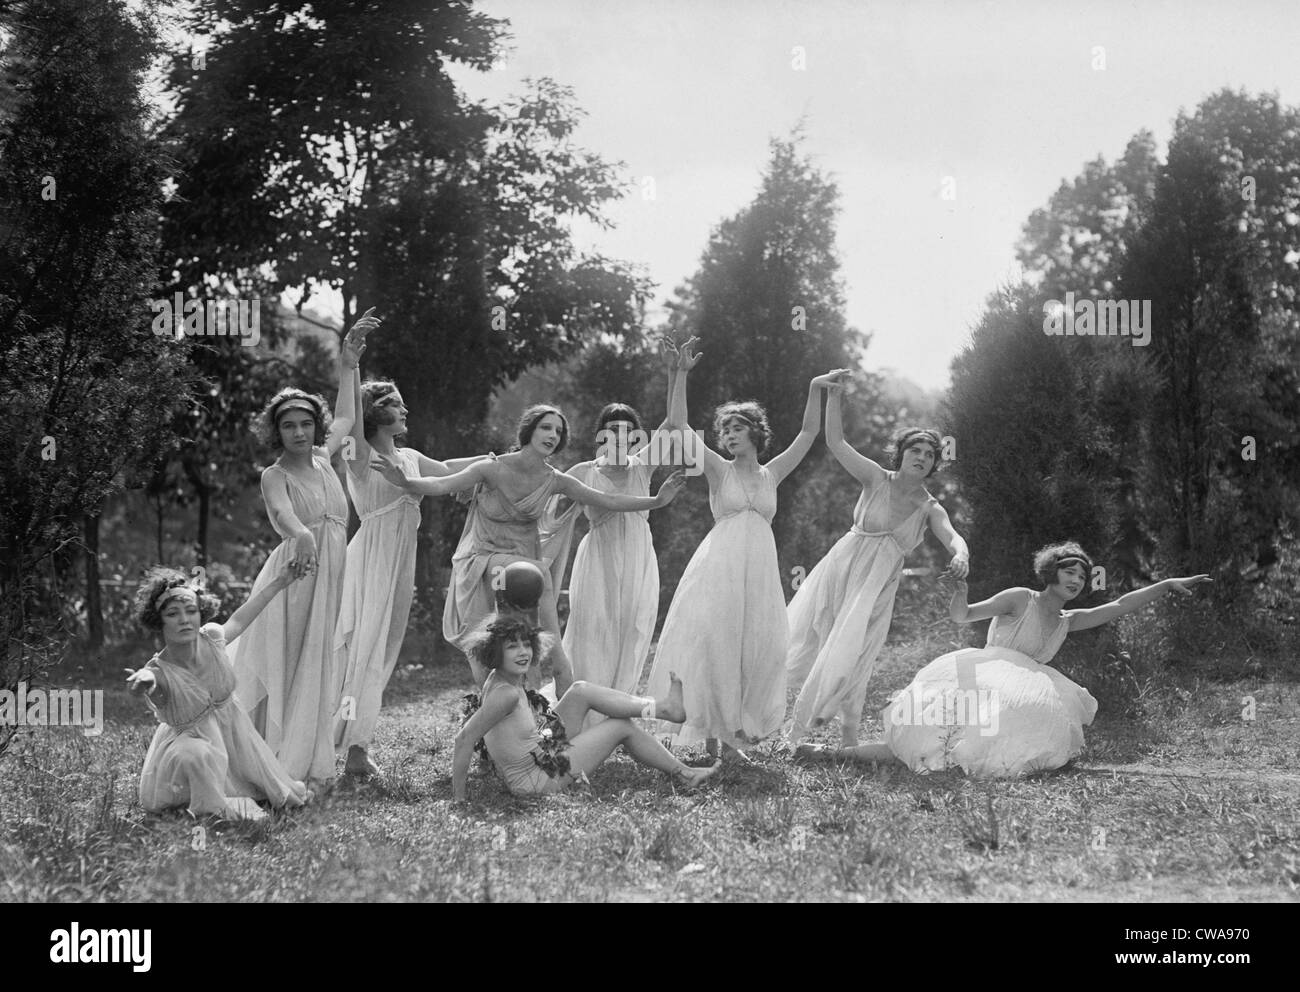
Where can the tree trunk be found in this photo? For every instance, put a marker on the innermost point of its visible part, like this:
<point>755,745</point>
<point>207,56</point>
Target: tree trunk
<point>94,605</point>
<point>205,502</point>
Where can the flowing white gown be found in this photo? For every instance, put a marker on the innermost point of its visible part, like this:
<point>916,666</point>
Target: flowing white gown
<point>614,589</point>
<point>378,586</point>
<point>998,711</point>
<point>205,754</point>
<point>726,632</point>
<point>840,615</point>
<point>284,659</point>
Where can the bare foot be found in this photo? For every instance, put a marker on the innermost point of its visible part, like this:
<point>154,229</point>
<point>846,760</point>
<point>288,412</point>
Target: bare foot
<point>359,763</point>
<point>692,778</point>
<point>671,708</point>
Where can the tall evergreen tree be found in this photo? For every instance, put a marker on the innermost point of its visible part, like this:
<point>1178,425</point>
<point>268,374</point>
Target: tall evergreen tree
<point>88,389</point>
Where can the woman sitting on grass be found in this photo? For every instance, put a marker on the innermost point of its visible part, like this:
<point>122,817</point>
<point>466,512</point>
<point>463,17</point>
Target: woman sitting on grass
<point>1001,710</point>
<point>205,753</point>
<point>535,762</point>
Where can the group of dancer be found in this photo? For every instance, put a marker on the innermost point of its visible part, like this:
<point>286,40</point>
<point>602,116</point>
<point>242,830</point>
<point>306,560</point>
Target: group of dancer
<point>305,679</point>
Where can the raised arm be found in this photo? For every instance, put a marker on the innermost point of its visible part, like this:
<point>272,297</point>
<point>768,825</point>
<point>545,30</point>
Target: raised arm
<point>867,472</point>
<point>1135,600</point>
<point>784,463</point>
<point>255,604</point>
<point>579,493</point>
<point>496,707</point>
<point>1007,601</point>
<point>350,352</point>
<point>662,456</point>
<point>697,450</point>
<point>954,542</point>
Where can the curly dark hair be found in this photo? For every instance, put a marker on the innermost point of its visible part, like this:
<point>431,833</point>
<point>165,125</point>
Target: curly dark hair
<point>904,437</point>
<point>374,416</point>
<point>485,642</point>
<point>158,579</point>
<point>532,417</point>
<point>269,428</point>
<point>760,431</point>
<point>1047,560</point>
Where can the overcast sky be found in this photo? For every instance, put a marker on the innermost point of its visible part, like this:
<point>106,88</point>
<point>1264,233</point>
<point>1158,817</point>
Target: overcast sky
<point>1001,96</point>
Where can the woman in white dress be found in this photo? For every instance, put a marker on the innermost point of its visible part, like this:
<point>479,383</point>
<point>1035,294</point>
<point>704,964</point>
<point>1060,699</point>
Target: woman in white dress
<point>510,496</point>
<point>284,660</point>
<point>614,590</point>
<point>840,615</point>
<point>379,579</point>
<point>1001,711</point>
<point>726,631</point>
<point>205,754</point>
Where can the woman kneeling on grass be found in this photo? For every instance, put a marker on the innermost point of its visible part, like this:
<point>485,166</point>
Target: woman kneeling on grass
<point>535,761</point>
<point>1001,711</point>
<point>205,753</point>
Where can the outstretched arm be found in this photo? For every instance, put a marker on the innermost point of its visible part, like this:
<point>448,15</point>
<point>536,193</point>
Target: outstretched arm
<point>466,478</point>
<point>1007,601</point>
<point>954,542</point>
<point>868,473</point>
<point>579,493</point>
<point>1130,601</point>
<point>495,708</point>
<point>255,604</point>
<point>442,469</point>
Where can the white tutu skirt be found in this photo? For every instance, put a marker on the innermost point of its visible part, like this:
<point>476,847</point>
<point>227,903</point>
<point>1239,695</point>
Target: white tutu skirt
<point>993,712</point>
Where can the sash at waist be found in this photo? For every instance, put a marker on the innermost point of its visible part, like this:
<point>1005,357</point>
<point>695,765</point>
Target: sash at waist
<point>210,708</point>
<point>323,518</point>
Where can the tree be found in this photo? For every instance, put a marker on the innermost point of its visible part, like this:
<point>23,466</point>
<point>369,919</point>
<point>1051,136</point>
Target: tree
<point>768,305</point>
<point>89,390</point>
<point>1034,467</point>
<point>1076,243</point>
<point>388,186</point>
<point>1194,264</point>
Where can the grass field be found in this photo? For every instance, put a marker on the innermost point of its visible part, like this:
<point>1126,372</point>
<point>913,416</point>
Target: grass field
<point>1185,801</point>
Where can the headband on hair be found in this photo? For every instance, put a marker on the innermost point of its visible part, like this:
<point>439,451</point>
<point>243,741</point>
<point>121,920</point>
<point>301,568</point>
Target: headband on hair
<point>173,592</point>
<point>738,416</point>
<point>294,403</point>
<point>1073,560</point>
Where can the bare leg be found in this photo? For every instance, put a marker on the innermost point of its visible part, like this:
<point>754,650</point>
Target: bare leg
<point>850,719</point>
<point>583,697</point>
<point>548,617</point>
<point>590,748</point>
<point>865,753</point>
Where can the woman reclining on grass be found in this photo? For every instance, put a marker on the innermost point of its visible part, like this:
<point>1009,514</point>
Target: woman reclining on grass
<point>534,761</point>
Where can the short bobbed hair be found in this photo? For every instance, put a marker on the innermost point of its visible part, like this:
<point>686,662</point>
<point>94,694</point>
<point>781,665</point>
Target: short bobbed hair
<point>485,642</point>
<point>905,437</point>
<point>1047,560</point>
<point>760,431</point>
<point>158,579</point>
<point>532,417</point>
<point>617,411</point>
<point>270,418</point>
